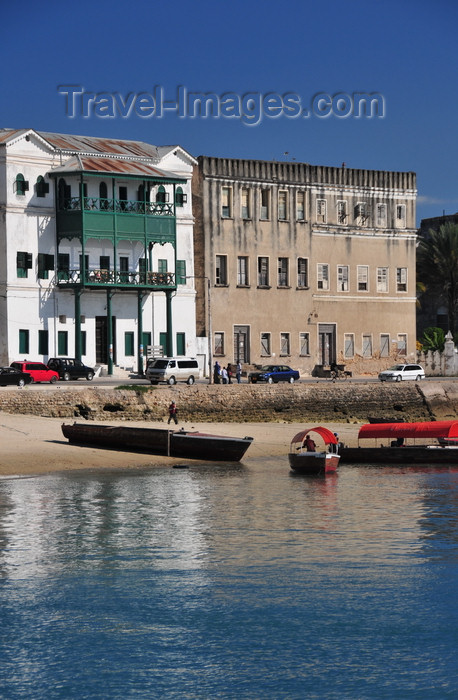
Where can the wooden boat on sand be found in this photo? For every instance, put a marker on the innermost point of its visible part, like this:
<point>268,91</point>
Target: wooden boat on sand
<point>303,461</point>
<point>159,441</point>
<point>397,451</point>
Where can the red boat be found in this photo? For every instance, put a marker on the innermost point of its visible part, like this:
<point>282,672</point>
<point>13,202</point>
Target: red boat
<point>406,443</point>
<point>303,461</point>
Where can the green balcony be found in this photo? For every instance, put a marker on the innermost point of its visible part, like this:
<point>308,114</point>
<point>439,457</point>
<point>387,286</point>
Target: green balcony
<point>116,279</point>
<point>115,219</point>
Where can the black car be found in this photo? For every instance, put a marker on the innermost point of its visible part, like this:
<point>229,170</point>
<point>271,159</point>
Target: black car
<point>11,375</point>
<point>70,368</point>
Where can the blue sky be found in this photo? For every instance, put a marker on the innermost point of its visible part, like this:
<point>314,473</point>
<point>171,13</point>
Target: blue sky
<point>404,51</point>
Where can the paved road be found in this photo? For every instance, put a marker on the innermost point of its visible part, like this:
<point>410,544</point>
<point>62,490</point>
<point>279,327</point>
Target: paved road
<point>112,382</point>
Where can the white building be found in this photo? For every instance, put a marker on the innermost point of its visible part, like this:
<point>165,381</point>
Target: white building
<point>96,249</point>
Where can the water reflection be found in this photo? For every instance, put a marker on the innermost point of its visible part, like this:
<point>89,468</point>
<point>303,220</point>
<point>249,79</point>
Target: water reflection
<point>204,582</point>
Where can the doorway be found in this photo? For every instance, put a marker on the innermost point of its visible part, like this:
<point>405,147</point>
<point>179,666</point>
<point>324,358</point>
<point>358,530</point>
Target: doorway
<point>242,344</point>
<point>101,339</point>
<point>326,343</point>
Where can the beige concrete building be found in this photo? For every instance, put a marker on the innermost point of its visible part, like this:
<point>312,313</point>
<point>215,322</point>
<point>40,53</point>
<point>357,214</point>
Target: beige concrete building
<point>304,265</point>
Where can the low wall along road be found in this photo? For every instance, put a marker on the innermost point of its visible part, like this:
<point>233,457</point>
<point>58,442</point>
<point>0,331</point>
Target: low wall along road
<point>238,403</point>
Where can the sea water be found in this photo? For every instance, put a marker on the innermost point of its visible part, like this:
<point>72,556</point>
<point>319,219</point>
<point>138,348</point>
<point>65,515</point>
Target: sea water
<point>230,581</point>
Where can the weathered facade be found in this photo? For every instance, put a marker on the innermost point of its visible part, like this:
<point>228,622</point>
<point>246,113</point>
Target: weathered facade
<point>96,249</point>
<point>305,265</point>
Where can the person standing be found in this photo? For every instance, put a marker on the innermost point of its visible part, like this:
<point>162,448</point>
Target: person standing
<point>224,375</point>
<point>217,373</point>
<point>173,413</point>
<point>238,372</point>
<point>229,372</point>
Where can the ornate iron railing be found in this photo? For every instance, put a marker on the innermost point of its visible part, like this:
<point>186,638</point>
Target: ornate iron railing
<point>116,278</point>
<point>121,206</point>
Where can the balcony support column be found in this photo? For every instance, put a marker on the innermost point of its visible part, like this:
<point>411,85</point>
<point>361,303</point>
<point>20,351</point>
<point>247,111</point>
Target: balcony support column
<point>168,296</point>
<point>110,331</point>
<point>141,349</point>
<point>78,336</point>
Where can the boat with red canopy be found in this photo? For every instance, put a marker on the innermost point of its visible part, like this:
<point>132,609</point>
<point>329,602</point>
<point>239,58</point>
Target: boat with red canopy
<point>305,461</point>
<point>408,443</point>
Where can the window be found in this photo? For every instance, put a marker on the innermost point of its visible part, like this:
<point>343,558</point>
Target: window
<point>322,276</point>
<point>42,187</point>
<point>380,217</point>
<point>162,265</point>
<point>129,344</point>
<point>163,342</point>
<point>226,202</point>
<point>63,266</point>
<point>62,342</point>
<point>349,345</point>
<point>363,278</point>
<point>180,197</point>
<point>265,344</point>
<point>143,266</point>
<point>282,205</point>
<point>24,344</point>
<point>104,262</point>
<point>341,212</point>
<point>221,270</point>
<point>161,195</point>
<point>23,263</point>
<point>401,215</point>
<point>302,273</point>
<point>304,342</point>
<point>83,343</point>
<point>45,263</point>
<point>282,268</point>
<point>402,344</point>
<point>300,206</point>
<point>263,272</point>
<point>246,203</point>
<point>181,272</point>
<point>401,279</point>
<point>367,346</point>
<point>124,268</point>
<point>123,198</point>
<point>242,271</point>
<point>342,278</point>
<point>361,213</point>
<point>265,204</point>
<point>382,279</point>
<point>21,186</point>
<point>384,345</point>
<point>284,344</point>
<point>43,343</point>
<point>219,344</point>
<point>146,342</point>
<point>321,213</point>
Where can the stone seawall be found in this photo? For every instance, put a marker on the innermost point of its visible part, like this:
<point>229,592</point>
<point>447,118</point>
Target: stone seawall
<point>350,402</point>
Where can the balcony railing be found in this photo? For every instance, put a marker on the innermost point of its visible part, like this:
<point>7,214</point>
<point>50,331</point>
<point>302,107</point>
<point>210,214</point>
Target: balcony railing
<point>121,206</point>
<point>116,278</point>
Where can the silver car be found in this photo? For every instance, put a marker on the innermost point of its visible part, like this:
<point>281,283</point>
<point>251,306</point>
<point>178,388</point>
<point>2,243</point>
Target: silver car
<point>399,373</point>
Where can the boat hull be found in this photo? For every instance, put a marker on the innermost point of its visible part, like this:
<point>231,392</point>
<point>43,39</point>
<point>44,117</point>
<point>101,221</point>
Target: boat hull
<point>157,441</point>
<point>313,462</point>
<point>417,454</point>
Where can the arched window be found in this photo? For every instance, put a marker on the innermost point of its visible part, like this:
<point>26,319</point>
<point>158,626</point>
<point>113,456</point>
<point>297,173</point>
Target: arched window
<point>21,186</point>
<point>42,187</point>
<point>161,194</point>
<point>180,197</point>
<point>63,194</point>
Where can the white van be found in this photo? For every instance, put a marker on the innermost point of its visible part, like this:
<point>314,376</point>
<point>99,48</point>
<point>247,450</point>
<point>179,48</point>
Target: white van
<point>172,370</point>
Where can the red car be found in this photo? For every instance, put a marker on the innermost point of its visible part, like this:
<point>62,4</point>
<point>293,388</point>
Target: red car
<point>37,370</point>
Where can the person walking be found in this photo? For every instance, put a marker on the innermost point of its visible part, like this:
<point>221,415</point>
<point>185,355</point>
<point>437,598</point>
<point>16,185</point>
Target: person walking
<point>173,413</point>
<point>238,372</point>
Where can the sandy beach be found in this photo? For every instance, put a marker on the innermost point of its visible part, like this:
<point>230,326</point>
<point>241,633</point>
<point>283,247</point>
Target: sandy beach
<point>33,445</point>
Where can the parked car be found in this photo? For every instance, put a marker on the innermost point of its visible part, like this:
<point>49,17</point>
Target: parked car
<point>172,370</point>
<point>273,374</point>
<point>399,373</point>
<point>37,370</point>
<point>11,375</point>
<point>70,368</point>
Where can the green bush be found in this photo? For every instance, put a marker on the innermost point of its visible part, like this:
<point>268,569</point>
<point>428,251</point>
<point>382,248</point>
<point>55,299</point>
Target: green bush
<point>433,339</point>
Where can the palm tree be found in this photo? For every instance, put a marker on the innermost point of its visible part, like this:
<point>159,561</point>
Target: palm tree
<point>437,267</point>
